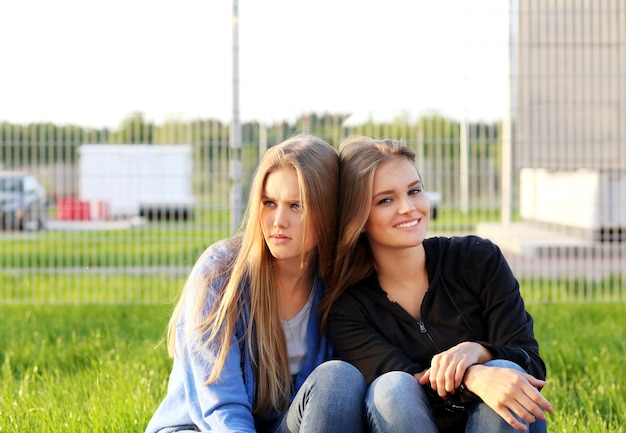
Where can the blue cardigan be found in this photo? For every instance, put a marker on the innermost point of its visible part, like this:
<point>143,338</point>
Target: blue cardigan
<point>225,405</point>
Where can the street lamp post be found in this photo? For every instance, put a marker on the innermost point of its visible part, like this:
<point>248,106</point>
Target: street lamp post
<point>235,133</point>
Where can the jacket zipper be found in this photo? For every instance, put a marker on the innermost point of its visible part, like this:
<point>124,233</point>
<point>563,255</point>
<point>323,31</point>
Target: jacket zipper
<point>423,330</point>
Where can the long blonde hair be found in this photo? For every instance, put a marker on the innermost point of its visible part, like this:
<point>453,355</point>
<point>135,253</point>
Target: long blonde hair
<point>359,157</point>
<point>316,164</point>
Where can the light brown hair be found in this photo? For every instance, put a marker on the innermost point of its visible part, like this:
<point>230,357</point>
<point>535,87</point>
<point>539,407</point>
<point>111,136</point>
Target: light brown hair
<point>316,165</point>
<point>359,157</point>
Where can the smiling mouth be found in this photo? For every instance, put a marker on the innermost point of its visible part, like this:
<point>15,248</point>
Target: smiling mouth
<point>406,225</point>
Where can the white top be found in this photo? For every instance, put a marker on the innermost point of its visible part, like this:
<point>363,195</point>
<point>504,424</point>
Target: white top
<point>295,333</point>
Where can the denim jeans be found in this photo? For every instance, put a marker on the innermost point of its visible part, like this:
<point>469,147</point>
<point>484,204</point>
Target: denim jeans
<point>483,419</point>
<point>396,402</point>
<point>330,400</point>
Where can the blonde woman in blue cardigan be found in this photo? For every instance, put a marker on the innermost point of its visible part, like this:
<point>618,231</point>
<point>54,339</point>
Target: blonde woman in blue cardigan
<point>245,336</point>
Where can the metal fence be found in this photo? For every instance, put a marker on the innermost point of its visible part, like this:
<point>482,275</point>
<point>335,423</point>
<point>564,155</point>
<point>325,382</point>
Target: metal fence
<point>559,223</point>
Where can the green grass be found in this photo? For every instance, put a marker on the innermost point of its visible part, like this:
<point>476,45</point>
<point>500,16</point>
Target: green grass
<point>155,244</point>
<point>98,368</point>
<point>584,346</point>
<point>150,246</point>
<point>608,289</point>
<point>83,314</point>
<point>452,219</point>
<point>145,286</point>
<point>81,368</point>
<point>89,287</point>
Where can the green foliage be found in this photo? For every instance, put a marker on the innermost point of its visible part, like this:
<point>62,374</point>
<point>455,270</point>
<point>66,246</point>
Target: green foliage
<point>134,130</point>
<point>40,143</point>
<point>44,143</point>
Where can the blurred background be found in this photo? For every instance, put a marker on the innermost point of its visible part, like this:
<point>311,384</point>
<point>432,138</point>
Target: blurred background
<point>129,131</point>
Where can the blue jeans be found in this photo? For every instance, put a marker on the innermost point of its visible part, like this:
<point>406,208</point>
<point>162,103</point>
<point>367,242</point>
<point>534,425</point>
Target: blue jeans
<point>330,400</point>
<point>396,402</point>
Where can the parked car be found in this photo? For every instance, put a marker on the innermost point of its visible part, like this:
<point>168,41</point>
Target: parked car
<point>23,202</point>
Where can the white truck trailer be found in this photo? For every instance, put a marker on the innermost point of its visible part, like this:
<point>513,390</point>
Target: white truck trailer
<point>152,181</point>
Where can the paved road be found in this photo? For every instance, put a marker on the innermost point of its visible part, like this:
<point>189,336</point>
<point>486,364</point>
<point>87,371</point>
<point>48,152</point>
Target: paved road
<point>534,252</point>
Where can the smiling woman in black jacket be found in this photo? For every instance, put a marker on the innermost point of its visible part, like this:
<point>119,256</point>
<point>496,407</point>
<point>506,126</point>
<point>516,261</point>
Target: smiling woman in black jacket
<point>436,325</point>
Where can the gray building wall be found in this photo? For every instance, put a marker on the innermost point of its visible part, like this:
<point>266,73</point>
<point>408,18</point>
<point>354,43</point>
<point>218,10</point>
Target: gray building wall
<point>569,84</point>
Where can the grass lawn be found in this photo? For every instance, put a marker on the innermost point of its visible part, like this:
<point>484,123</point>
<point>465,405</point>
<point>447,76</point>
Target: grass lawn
<point>94,368</point>
<point>81,368</point>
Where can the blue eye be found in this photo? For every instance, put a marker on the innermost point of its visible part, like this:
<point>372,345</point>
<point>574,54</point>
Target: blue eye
<point>269,203</point>
<point>415,191</point>
<point>385,201</point>
<point>297,206</point>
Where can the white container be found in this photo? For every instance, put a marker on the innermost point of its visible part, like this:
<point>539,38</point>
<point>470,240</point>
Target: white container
<point>138,179</point>
<point>590,200</point>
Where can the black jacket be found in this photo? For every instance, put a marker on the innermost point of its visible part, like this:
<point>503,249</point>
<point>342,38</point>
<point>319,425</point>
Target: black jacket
<point>472,296</point>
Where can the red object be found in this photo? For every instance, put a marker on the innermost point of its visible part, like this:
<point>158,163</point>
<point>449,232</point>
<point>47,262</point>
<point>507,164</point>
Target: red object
<point>72,209</point>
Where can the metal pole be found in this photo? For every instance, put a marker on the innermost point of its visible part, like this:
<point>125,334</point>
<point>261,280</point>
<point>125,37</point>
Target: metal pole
<point>262,139</point>
<point>235,133</point>
<point>464,166</point>
<point>507,125</point>
<point>463,143</point>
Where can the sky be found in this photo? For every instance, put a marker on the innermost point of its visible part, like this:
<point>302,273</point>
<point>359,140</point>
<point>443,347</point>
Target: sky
<point>94,62</point>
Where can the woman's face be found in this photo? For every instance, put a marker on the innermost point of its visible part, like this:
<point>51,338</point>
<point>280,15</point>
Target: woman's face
<point>400,208</point>
<point>282,219</point>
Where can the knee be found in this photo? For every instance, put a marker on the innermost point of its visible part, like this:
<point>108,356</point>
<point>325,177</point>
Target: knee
<point>394,385</point>
<point>341,373</point>
<point>394,380</point>
<point>395,401</point>
<point>339,369</point>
